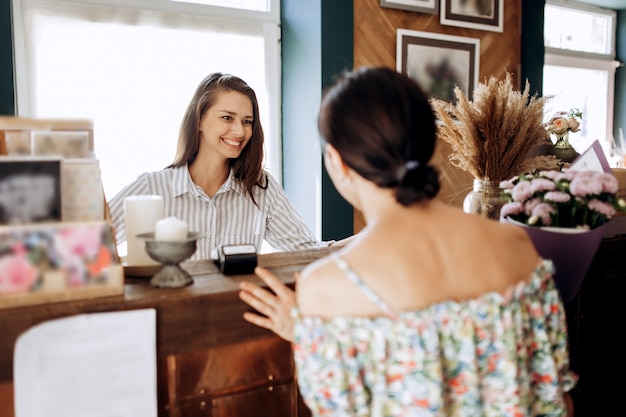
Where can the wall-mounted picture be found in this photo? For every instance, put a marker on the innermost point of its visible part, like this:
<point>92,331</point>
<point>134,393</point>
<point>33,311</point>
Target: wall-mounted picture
<point>30,190</point>
<point>474,14</point>
<point>420,6</point>
<point>439,62</point>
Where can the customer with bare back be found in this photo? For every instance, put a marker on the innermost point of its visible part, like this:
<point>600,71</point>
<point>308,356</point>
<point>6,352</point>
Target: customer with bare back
<point>428,311</point>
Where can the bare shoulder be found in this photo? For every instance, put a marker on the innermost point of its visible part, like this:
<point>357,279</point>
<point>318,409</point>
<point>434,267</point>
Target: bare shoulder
<point>517,248</point>
<point>325,289</point>
<point>315,284</point>
<point>313,274</point>
<point>515,235</point>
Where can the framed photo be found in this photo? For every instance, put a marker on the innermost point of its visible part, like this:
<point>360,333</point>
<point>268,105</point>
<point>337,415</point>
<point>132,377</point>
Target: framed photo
<point>421,6</point>
<point>475,14</point>
<point>30,190</point>
<point>17,142</point>
<point>439,62</point>
<point>81,190</point>
<point>67,144</point>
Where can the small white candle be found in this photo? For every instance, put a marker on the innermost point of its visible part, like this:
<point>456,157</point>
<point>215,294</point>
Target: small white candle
<point>170,228</point>
<point>140,215</point>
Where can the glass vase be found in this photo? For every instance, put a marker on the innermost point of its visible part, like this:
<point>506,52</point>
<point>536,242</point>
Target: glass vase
<point>484,199</point>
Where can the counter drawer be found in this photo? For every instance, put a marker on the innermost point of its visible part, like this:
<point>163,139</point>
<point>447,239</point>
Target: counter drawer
<point>234,368</point>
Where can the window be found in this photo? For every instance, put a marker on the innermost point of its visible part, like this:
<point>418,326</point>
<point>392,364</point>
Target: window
<point>588,30</point>
<point>132,66</point>
<point>579,69</point>
<point>259,5</point>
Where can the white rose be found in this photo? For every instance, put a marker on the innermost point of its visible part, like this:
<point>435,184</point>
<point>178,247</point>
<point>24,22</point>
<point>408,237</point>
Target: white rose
<point>574,125</point>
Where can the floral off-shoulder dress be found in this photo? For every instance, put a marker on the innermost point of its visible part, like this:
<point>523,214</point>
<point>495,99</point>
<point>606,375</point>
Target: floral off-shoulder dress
<point>501,354</point>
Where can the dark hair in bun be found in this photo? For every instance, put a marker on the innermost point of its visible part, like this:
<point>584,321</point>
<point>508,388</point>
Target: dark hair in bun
<point>381,123</point>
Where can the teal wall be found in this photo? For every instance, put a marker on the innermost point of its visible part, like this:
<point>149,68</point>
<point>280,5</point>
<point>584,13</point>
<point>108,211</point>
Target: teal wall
<point>317,45</point>
<point>337,57</point>
<point>532,49</point>
<point>7,96</point>
<point>619,112</point>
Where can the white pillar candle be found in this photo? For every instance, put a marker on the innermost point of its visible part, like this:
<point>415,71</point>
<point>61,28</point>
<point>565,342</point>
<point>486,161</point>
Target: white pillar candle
<point>170,228</point>
<point>141,213</point>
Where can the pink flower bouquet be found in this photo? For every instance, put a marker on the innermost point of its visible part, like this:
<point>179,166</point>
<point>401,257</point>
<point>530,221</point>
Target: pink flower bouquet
<point>568,198</point>
<point>564,213</point>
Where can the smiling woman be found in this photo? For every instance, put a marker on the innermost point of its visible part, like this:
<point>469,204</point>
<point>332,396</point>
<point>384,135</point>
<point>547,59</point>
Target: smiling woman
<point>217,183</point>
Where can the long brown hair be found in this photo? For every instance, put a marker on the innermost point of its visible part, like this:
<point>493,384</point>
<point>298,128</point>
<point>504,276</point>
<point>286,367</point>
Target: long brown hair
<point>248,166</point>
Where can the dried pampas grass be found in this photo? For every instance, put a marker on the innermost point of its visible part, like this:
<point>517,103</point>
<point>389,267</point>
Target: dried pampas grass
<point>491,136</point>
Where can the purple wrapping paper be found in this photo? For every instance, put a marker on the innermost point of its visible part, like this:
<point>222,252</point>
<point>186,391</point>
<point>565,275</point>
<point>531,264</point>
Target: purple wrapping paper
<point>571,251</point>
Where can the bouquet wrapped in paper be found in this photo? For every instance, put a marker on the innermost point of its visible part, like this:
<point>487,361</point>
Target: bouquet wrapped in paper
<point>565,214</point>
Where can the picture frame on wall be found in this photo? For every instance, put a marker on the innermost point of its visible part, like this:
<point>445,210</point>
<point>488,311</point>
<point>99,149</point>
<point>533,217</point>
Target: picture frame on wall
<point>420,6</point>
<point>439,62</point>
<point>473,14</point>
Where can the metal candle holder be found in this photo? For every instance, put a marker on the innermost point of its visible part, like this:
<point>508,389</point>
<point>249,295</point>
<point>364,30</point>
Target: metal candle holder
<point>170,253</point>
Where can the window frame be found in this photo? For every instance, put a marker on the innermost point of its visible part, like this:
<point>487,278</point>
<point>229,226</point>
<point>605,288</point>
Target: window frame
<point>592,61</point>
<point>269,19</point>
<point>586,8</point>
<point>572,61</point>
<point>270,16</point>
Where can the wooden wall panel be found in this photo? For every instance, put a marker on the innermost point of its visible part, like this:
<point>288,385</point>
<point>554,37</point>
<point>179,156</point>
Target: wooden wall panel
<point>375,44</point>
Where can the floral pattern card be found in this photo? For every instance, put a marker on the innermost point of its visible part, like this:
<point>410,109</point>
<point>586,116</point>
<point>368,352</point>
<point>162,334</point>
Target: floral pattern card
<point>58,262</point>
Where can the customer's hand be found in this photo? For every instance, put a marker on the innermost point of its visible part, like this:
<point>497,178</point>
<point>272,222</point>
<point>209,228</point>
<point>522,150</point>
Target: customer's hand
<point>275,308</point>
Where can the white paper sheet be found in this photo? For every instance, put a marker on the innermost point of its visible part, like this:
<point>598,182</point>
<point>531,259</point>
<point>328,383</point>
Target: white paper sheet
<point>90,365</point>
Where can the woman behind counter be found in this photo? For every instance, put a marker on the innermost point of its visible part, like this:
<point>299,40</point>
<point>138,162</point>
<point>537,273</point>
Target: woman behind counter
<point>217,183</point>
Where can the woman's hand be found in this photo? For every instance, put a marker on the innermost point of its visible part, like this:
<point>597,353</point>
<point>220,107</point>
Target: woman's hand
<point>275,308</point>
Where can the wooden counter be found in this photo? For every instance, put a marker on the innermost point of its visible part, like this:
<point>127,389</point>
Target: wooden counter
<point>210,362</point>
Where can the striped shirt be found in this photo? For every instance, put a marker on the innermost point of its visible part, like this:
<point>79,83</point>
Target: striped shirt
<point>230,217</point>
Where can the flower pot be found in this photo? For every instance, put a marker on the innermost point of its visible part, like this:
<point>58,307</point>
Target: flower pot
<point>571,250</point>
